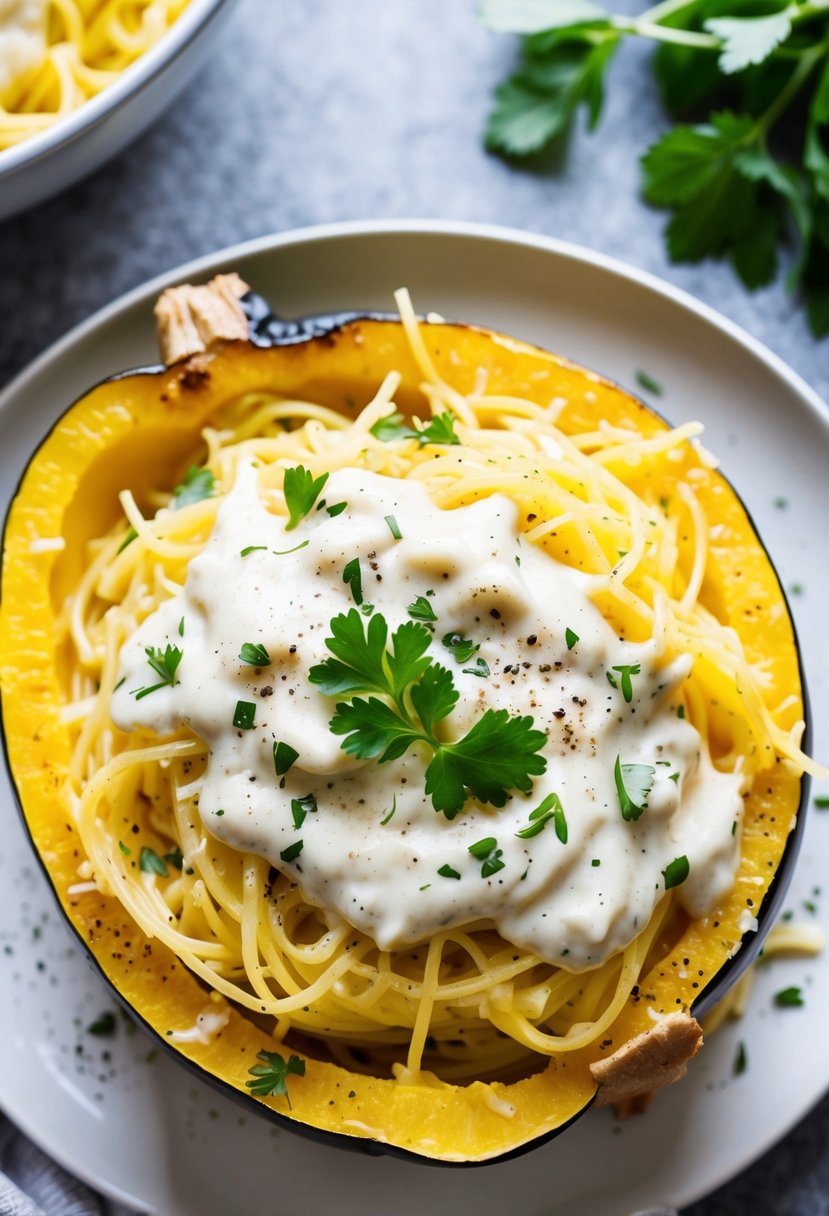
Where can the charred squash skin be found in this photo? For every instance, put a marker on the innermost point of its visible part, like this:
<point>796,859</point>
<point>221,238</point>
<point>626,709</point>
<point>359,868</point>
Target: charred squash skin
<point>137,431</point>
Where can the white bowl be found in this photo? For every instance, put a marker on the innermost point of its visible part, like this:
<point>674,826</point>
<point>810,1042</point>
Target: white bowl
<point>75,145</point>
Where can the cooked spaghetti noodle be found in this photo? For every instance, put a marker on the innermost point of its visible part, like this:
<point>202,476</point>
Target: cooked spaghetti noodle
<point>616,505</point>
<point>74,50</point>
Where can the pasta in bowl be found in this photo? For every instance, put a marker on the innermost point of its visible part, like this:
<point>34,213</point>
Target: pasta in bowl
<point>80,78</point>
<point>423,756</point>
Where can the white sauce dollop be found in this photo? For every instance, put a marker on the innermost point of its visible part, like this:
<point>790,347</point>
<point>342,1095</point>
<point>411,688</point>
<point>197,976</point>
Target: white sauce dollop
<point>575,903</point>
<point>22,38</point>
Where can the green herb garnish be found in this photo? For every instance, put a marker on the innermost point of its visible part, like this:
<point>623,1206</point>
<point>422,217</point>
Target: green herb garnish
<point>176,858</point>
<point>336,509</point>
<point>301,490</point>
<point>271,1076</point>
<point>440,429</point>
<point>283,757</point>
<point>387,818</point>
<point>740,1060</point>
<point>570,638</point>
<point>479,668</point>
<point>244,715</point>
<point>648,383</point>
<point>789,998</point>
<point>300,807</point>
<point>633,784</point>
<point>255,654</point>
<point>447,872</point>
<point>487,851</point>
<point>150,862</point>
<point>626,670</point>
<point>352,576</point>
<point>128,539</point>
<point>734,187</point>
<point>421,610</point>
<point>822,802</point>
<point>394,527</point>
<point>550,808</point>
<point>104,1026</point>
<point>256,549</point>
<point>676,872</point>
<point>165,664</point>
<point>460,647</point>
<point>497,755</point>
<point>125,849</point>
<point>197,485</point>
<point>292,852</point>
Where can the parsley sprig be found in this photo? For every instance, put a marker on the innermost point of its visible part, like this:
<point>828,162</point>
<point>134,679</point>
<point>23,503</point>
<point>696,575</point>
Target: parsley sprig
<point>413,695</point>
<point>270,1078</point>
<point>165,665</point>
<point>301,490</point>
<point>440,429</point>
<point>736,188</point>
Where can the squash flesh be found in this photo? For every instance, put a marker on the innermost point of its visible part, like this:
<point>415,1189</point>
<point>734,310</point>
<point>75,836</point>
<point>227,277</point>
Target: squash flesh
<point>135,432</point>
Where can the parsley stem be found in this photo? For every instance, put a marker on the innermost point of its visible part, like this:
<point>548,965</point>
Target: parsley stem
<point>666,9</point>
<point>667,33</point>
<point>806,64</point>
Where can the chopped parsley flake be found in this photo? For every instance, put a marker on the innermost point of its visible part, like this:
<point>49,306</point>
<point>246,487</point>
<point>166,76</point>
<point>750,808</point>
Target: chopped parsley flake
<point>648,383</point>
<point>283,757</point>
<point>461,648</point>
<point>479,668</point>
<point>336,509</point>
<point>549,808</point>
<point>394,527</point>
<point>150,862</point>
<point>253,549</point>
<point>354,579</point>
<point>740,1060</point>
<point>387,818</point>
<point>244,715</point>
<point>103,1027</point>
<point>822,802</point>
<point>626,670</point>
<point>421,610</point>
<point>125,849</point>
<point>570,638</point>
<point>633,784</point>
<point>447,872</point>
<point>165,664</point>
<point>128,539</point>
<point>292,852</point>
<point>487,851</point>
<point>255,654</point>
<point>676,872</point>
<point>789,998</point>
<point>300,807</point>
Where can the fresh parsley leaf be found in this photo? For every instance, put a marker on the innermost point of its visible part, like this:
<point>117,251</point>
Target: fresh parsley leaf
<point>284,756</point>
<point>633,784</point>
<point>292,852</point>
<point>497,755</point>
<point>165,664</point>
<point>421,610</point>
<point>549,809</point>
<point>537,104</point>
<point>749,40</point>
<point>301,490</point>
<point>407,659</point>
<point>462,648</point>
<point>441,429</point>
<point>448,872</point>
<point>271,1076</point>
<point>434,696</point>
<point>647,382</point>
<point>626,670</point>
<point>255,654</point>
<point>104,1026</point>
<point>392,427</point>
<point>150,862</point>
<point>487,852</point>
<point>352,576</point>
<point>373,730</point>
<point>676,872</point>
<point>300,807</point>
<point>197,485</point>
<point>336,509</point>
<point>176,858</point>
<point>789,998</point>
<point>358,663</point>
<point>244,715</point>
<point>479,668</point>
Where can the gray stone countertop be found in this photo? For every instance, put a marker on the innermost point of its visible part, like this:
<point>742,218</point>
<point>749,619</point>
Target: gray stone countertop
<point>310,112</point>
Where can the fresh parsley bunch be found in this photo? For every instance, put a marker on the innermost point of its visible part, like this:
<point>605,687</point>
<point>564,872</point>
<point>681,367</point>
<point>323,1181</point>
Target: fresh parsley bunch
<point>753,174</point>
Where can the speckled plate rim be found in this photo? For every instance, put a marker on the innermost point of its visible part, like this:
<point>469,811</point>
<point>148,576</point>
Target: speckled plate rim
<point>204,266</point>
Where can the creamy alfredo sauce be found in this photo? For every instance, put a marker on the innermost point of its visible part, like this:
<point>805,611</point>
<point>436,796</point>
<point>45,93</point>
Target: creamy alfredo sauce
<point>574,903</point>
<point>22,38</point>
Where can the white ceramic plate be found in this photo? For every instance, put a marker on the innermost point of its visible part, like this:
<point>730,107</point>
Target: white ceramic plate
<point>136,1124</point>
<point>75,145</point>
